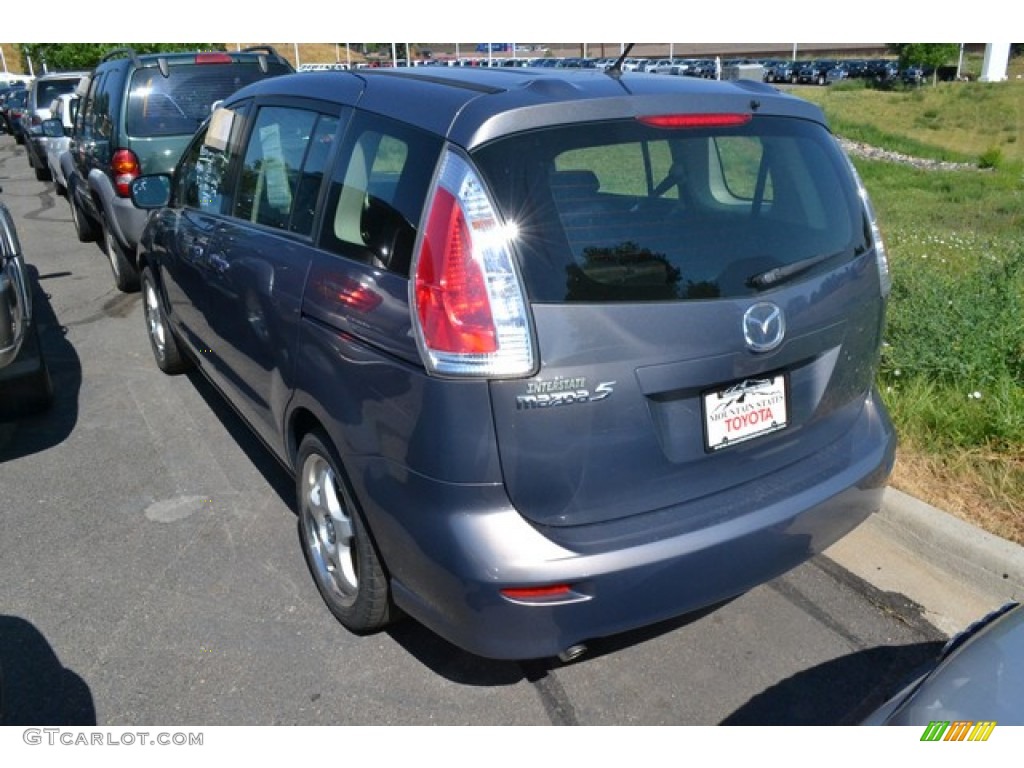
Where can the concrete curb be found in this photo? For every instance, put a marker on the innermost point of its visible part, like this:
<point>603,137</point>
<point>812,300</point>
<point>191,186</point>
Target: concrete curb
<point>986,562</point>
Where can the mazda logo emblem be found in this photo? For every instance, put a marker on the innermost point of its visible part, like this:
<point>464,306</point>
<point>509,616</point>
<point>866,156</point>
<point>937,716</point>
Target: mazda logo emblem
<point>764,327</point>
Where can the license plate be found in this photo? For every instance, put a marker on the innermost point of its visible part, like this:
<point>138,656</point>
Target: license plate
<point>744,410</point>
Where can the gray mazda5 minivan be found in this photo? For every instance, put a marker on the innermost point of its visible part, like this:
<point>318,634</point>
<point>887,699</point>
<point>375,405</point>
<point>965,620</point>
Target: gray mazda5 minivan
<point>551,354</point>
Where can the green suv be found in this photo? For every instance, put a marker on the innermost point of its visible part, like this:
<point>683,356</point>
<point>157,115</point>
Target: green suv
<point>137,113</point>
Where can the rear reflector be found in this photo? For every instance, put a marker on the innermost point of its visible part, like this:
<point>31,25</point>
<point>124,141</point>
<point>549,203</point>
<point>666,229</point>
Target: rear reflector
<point>705,120</point>
<point>536,593</point>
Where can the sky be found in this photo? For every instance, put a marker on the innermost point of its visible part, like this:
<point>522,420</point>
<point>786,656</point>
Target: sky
<point>515,20</point>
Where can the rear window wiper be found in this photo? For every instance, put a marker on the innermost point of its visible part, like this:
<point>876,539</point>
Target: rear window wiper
<point>776,275</point>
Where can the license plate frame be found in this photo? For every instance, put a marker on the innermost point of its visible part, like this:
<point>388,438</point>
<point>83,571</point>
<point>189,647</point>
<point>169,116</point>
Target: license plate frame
<point>745,410</point>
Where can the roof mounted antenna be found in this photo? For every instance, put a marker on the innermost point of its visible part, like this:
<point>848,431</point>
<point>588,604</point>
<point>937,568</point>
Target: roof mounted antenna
<point>615,70</point>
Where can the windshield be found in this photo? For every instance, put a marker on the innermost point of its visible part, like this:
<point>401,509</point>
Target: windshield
<point>623,211</point>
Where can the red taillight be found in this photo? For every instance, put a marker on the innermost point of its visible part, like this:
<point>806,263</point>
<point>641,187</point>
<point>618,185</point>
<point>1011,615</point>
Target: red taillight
<point>126,168</point>
<point>469,308</point>
<point>704,120</point>
<point>451,297</point>
<point>213,58</point>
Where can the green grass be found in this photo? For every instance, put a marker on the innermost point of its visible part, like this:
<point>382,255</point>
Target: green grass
<point>952,369</point>
<point>947,121</point>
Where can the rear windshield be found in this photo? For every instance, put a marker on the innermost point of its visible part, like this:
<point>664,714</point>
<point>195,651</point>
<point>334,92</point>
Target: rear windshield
<point>177,104</point>
<point>622,211</point>
<point>48,90</point>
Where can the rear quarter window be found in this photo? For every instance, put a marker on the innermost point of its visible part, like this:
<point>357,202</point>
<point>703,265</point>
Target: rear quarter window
<point>377,193</point>
<point>621,211</point>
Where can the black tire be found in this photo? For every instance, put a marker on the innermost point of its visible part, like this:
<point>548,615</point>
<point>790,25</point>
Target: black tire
<point>84,227</point>
<point>340,554</point>
<point>126,276</point>
<point>166,349</point>
<point>42,174</point>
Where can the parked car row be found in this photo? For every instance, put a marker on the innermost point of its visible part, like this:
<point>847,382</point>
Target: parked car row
<point>12,107</point>
<point>134,116</point>
<point>449,301</point>
<point>41,95</point>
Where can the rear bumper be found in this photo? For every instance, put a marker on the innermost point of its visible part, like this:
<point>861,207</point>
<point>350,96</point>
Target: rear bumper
<point>452,548</point>
<point>119,213</point>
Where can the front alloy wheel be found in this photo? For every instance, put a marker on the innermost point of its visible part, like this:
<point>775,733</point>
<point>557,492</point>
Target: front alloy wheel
<point>337,547</point>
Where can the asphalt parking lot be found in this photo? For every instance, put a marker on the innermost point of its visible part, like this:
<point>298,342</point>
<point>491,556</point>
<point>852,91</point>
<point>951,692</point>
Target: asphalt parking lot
<point>152,574</point>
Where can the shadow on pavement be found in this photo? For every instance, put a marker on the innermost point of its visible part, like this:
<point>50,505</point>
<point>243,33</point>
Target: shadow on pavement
<point>24,435</point>
<point>839,692</point>
<point>35,688</point>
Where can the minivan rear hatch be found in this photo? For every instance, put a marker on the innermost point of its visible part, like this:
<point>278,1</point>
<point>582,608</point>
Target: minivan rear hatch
<point>707,310</point>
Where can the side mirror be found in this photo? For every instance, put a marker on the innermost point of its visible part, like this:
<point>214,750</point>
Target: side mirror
<point>150,192</point>
<point>53,128</point>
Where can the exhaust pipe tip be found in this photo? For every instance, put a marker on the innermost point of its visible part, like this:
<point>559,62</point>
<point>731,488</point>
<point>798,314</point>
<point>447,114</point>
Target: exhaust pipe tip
<point>572,653</point>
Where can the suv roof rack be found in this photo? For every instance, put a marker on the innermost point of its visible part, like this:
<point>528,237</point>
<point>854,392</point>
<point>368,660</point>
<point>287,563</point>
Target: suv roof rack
<point>127,51</point>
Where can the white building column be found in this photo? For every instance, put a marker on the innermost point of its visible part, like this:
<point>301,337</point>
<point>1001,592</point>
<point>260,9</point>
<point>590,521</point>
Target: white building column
<point>996,62</point>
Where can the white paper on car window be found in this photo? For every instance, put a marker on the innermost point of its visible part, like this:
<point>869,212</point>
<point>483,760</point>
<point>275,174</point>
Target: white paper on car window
<point>279,195</point>
<point>220,129</point>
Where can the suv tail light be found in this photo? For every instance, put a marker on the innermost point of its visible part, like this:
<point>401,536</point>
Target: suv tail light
<point>469,309</point>
<point>126,169</point>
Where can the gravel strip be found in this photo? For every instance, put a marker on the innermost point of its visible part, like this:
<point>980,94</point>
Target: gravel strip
<point>857,149</point>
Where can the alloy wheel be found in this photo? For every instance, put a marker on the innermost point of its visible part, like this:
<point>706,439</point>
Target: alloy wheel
<point>328,529</point>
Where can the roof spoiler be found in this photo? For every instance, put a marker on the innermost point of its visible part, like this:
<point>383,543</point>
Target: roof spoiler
<point>267,49</point>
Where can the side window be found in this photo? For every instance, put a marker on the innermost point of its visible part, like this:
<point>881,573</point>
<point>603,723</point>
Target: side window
<point>271,172</point>
<point>102,122</point>
<point>85,119</point>
<point>203,176</point>
<point>318,152</point>
<point>377,193</point>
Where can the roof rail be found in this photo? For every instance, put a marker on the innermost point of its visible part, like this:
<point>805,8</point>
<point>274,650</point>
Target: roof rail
<point>126,51</point>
